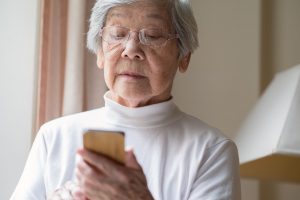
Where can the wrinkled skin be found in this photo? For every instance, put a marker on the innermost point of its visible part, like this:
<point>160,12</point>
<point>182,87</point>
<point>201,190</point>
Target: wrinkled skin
<point>139,75</point>
<point>105,179</point>
<point>102,178</point>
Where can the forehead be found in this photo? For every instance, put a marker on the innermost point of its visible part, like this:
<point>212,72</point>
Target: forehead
<point>140,12</point>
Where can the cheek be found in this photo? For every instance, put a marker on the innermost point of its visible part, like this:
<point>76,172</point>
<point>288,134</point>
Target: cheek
<point>111,57</point>
<point>161,78</point>
<point>165,58</point>
<point>112,54</point>
<point>163,68</point>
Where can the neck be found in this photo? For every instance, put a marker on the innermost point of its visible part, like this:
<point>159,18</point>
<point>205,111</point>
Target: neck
<point>133,103</point>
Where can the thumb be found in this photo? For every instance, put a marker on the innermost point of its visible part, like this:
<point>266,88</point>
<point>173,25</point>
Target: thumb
<point>130,160</point>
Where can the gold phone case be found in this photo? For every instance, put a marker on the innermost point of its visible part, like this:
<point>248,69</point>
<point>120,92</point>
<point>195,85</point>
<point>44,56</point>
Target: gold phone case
<point>108,143</point>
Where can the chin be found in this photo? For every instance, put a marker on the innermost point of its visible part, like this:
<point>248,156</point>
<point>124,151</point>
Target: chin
<point>134,97</point>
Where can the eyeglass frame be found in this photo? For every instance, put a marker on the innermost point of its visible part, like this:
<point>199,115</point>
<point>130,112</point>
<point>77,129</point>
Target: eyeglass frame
<point>167,36</point>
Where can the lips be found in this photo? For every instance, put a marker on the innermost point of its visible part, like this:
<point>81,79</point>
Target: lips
<point>132,75</point>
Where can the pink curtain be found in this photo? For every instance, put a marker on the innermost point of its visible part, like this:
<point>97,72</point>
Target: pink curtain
<point>69,80</point>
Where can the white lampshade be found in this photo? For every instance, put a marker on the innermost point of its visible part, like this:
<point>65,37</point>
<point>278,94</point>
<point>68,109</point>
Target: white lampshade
<point>269,139</point>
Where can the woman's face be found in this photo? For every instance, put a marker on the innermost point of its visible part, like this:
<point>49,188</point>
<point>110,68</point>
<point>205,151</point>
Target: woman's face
<point>138,74</point>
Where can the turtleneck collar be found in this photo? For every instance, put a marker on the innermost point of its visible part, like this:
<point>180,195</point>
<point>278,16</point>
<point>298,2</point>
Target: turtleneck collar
<point>154,115</point>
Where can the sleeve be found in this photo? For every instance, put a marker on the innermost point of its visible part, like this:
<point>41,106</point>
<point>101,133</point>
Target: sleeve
<point>31,184</point>
<point>218,177</point>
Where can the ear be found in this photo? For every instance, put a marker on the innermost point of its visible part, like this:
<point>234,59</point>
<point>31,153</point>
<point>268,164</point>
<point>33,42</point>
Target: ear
<point>100,59</point>
<point>184,62</point>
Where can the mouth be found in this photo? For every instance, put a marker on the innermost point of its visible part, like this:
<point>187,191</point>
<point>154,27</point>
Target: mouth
<point>132,75</point>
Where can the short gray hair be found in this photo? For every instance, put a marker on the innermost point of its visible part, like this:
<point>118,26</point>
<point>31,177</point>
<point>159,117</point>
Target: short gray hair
<point>182,18</point>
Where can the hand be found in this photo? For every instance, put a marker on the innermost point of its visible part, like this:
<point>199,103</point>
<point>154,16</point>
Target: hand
<point>64,192</point>
<point>101,178</point>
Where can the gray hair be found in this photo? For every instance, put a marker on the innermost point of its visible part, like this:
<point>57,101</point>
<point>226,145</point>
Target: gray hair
<point>182,19</point>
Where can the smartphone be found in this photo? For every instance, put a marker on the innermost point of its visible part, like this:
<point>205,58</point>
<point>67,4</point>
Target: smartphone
<point>107,143</point>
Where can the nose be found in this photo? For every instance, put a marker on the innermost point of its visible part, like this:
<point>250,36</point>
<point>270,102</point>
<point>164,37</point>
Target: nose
<point>132,49</point>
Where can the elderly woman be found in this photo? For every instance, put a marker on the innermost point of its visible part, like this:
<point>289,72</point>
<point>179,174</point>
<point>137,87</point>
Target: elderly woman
<point>140,46</point>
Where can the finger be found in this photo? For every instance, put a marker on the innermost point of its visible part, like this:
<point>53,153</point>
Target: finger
<point>88,189</point>
<point>105,190</point>
<point>130,160</point>
<point>92,184</point>
<point>105,165</point>
<point>87,176</point>
<point>78,194</point>
<point>80,177</point>
<point>87,168</point>
<point>100,196</point>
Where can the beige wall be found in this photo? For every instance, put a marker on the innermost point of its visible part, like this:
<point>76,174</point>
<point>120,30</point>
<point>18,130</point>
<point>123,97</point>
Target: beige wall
<point>18,39</point>
<point>280,36</point>
<point>242,45</point>
<point>223,78</point>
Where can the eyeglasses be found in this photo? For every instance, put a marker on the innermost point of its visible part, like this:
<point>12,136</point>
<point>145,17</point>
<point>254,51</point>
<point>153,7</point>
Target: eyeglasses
<point>114,35</point>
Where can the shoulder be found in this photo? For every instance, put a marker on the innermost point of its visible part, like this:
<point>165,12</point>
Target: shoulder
<point>71,123</point>
<point>72,119</point>
<point>200,132</point>
<point>209,142</point>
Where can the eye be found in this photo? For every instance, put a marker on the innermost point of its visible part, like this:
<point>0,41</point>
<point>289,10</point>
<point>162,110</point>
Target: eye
<point>152,34</point>
<point>117,33</point>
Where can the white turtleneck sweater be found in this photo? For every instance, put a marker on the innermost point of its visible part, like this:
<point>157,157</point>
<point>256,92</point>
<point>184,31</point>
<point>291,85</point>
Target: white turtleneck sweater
<point>182,157</point>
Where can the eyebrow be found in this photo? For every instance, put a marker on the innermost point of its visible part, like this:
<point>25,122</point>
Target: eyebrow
<point>156,16</point>
<point>116,14</point>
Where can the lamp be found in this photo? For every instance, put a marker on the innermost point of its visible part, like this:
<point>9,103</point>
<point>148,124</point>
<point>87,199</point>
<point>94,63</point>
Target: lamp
<point>269,139</point>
